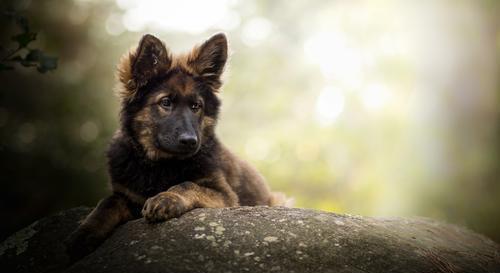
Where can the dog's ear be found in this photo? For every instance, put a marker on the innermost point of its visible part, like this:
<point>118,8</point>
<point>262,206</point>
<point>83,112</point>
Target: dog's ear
<point>152,59</point>
<point>137,68</point>
<point>209,59</point>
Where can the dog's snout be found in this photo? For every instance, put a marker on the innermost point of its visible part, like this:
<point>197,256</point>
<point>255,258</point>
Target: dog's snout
<point>188,140</point>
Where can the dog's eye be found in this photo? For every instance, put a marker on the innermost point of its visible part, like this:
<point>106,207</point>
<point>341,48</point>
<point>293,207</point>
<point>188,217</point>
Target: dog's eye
<point>196,106</point>
<point>165,102</point>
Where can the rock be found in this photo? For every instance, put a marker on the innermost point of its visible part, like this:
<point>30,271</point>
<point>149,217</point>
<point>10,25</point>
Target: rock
<point>258,239</point>
<point>38,247</point>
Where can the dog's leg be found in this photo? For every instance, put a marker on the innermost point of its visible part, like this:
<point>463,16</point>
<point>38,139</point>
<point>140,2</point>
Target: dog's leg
<point>186,196</point>
<point>109,213</point>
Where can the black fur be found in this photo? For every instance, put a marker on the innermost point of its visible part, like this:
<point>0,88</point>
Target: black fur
<point>130,167</point>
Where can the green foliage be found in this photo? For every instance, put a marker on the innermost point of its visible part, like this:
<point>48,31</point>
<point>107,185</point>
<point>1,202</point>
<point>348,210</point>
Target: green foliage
<point>32,57</point>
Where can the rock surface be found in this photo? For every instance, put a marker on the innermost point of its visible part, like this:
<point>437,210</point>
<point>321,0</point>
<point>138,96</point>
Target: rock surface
<point>257,239</point>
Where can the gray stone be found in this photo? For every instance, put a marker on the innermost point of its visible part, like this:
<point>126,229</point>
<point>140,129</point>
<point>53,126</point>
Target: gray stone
<point>258,239</point>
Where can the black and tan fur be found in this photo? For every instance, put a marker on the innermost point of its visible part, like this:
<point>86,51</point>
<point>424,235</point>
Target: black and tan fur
<point>162,96</point>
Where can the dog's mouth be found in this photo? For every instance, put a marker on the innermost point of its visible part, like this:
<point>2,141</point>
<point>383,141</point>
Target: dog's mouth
<point>175,150</point>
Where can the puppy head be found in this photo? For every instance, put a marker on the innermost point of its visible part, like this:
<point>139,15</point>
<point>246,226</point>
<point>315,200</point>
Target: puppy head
<point>169,102</point>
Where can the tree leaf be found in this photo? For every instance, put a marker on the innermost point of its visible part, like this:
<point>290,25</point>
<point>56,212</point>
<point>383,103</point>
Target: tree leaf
<point>47,63</point>
<point>4,67</point>
<point>27,63</point>
<point>16,59</point>
<point>35,55</point>
<point>24,39</point>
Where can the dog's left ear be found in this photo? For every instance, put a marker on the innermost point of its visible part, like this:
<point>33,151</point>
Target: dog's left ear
<point>209,59</point>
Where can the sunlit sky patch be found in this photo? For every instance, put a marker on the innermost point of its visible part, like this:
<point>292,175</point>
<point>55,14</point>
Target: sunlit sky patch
<point>336,57</point>
<point>178,15</point>
<point>375,96</point>
<point>256,30</point>
<point>329,105</point>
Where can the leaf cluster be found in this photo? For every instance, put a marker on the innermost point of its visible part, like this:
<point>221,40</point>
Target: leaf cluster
<point>22,53</point>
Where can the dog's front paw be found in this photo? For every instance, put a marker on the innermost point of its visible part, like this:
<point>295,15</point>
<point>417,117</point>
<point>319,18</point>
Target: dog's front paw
<point>82,242</point>
<point>164,206</point>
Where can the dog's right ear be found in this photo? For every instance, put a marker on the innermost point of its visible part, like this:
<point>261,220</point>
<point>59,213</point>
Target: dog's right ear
<point>136,69</point>
<point>151,60</point>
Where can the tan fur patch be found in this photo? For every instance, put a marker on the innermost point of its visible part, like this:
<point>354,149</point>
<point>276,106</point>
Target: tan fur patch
<point>208,122</point>
<point>181,61</point>
<point>182,84</point>
<point>126,87</point>
<point>144,129</point>
<point>280,199</point>
<point>117,135</point>
<point>217,183</point>
<point>207,127</point>
<point>219,194</point>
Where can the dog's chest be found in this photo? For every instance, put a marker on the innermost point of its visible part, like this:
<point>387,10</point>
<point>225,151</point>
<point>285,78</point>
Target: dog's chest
<point>153,179</point>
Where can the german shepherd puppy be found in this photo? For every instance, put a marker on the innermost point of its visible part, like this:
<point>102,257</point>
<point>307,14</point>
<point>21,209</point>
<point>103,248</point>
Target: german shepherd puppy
<point>165,159</point>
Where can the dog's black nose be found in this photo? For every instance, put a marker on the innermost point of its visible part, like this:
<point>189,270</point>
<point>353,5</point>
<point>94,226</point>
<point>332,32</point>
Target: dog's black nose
<point>188,140</point>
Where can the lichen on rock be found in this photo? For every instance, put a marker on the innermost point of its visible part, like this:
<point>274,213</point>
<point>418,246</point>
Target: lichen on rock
<point>19,240</point>
<point>258,239</point>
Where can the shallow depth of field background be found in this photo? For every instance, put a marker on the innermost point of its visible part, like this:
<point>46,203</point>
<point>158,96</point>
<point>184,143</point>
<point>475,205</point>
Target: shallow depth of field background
<point>379,108</point>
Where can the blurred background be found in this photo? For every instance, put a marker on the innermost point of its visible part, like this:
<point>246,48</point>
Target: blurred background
<point>378,108</point>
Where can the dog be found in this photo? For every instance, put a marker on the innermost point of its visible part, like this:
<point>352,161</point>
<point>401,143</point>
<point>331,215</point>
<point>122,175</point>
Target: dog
<point>165,159</point>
